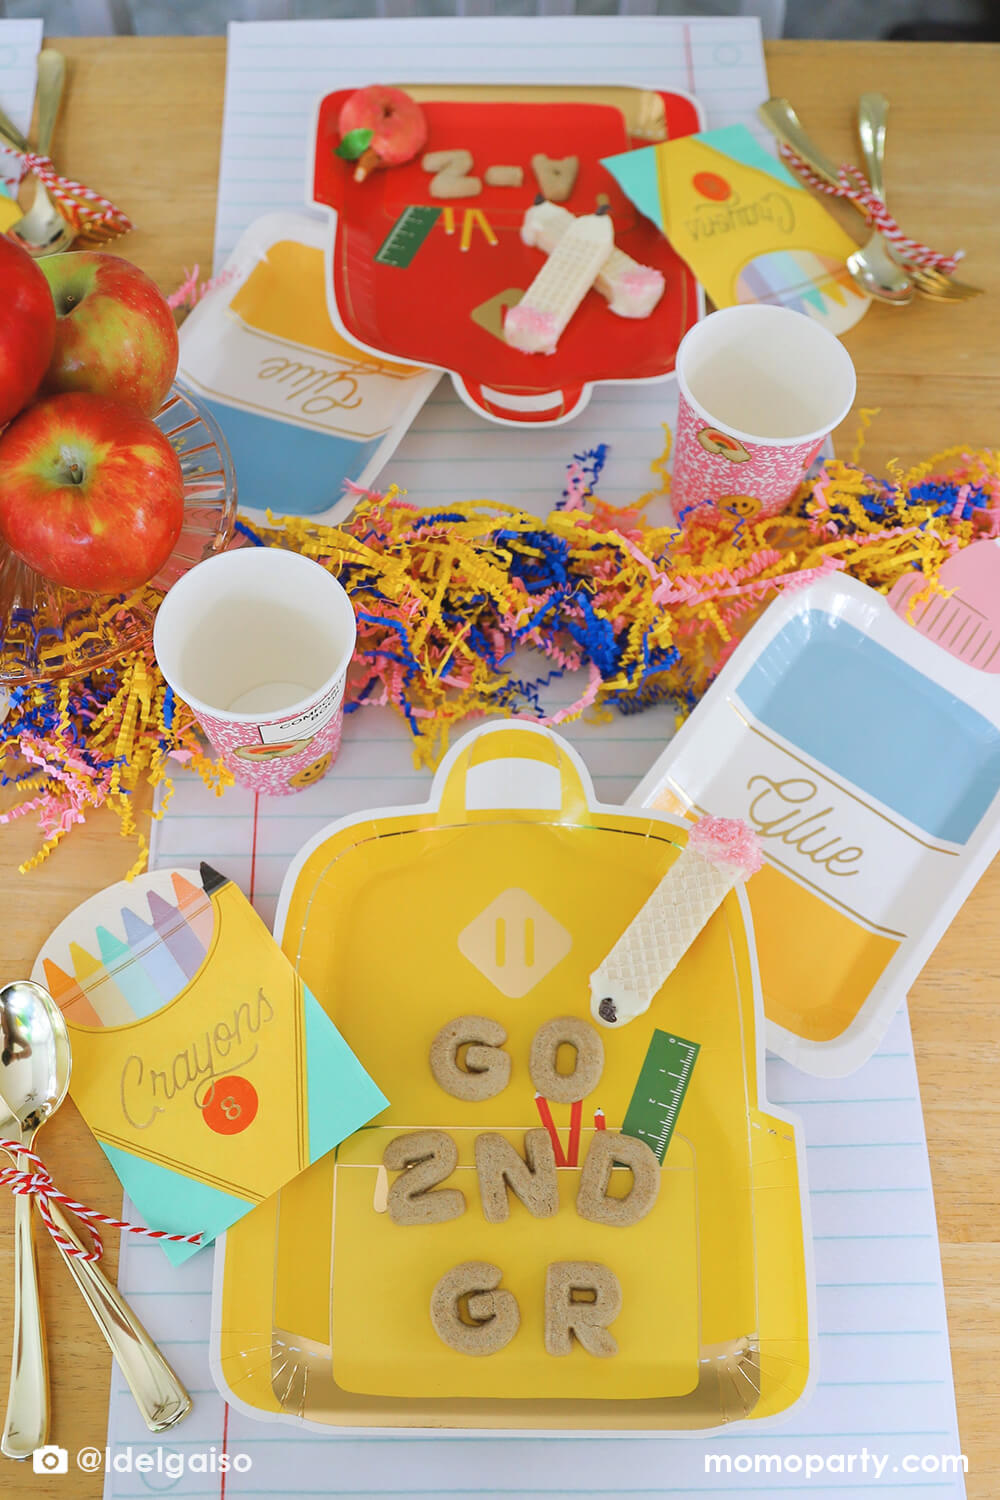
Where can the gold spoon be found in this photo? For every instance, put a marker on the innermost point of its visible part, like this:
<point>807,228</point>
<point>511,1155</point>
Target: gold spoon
<point>43,230</point>
<point>873,113</point>
<point>34,1071</point>
<point>35,1062</point>
<point>871,266</point>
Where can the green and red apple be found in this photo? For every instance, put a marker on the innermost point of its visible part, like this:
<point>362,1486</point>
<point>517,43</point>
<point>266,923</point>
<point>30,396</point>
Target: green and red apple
<point>91,493</point>
<point>115,334</point>
<point>27,328</point>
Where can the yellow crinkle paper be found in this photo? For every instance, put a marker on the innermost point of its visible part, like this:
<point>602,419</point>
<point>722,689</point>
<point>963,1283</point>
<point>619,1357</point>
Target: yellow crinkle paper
<point>444,599</point>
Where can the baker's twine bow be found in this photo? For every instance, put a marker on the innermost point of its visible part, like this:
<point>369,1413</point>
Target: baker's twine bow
<point>853,184</point>
<point>78,204</point>
<point>38,1183</point>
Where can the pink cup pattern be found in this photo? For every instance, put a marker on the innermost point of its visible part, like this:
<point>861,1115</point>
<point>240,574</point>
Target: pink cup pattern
<point>712,465</point>
<point>282,765</point>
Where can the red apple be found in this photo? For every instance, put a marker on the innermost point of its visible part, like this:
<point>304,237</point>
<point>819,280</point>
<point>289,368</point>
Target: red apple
<point>91,493</point>
<point>380,127</point>
<point>27,328</point>
<point>115,334</point>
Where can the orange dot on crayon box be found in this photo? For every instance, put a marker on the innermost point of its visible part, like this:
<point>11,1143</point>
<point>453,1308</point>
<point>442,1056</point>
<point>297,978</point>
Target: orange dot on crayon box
<point>711,185</point>
<point>230,1105</point>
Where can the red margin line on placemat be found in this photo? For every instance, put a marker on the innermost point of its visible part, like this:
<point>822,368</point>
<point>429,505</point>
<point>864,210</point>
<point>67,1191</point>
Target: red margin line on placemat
<point>225,1443</point>
<point>253,847</point>
<point>688,58</point>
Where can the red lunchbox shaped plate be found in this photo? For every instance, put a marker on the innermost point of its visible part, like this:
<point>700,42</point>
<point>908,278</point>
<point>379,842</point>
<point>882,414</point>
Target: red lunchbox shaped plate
<point>428,281</point>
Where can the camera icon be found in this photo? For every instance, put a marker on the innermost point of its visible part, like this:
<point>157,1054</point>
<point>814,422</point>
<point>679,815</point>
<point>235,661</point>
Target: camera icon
<point>50,1460</point>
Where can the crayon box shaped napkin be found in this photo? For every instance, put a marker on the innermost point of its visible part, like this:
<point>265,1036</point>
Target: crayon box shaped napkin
<point>304,411</point>
<point>206,1069</point>
<point>749,230</point>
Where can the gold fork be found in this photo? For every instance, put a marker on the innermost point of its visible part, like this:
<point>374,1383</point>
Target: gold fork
<point>45,228</point>
<point>873,111</point>
<point>781,119</point>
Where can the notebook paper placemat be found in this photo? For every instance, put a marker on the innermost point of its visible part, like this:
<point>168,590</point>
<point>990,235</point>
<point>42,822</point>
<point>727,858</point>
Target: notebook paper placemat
<point>277,72</point>
<point>19,45</point>
<point>884,1382</point>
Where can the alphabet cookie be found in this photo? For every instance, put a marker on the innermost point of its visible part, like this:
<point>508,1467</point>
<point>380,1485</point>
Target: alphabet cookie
<point>504,176</point>
<point>592,1199</point>
<point>566,1088</point>
<point>531,1178</point>
<point>487,1069</point>
<point>495,1314</point>
<point>451,177</point>
<point>581,1299</point>
<point>556,177</point>
<point>423,1158</point>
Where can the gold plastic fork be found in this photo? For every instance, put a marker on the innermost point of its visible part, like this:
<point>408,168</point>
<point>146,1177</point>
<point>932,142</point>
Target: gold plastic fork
<point>45,229</point>
<point>781,119</point>
<point>873,111</point>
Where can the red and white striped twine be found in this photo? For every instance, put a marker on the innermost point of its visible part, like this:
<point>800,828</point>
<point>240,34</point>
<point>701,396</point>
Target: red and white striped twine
<point>852,184</point>
<point>39,1184</point>
<point>79,204</point>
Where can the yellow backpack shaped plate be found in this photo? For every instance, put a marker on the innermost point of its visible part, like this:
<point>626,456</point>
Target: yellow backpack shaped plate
<point>498,898</point>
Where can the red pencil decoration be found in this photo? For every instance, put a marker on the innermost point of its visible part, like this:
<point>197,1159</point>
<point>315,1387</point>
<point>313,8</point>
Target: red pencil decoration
<point>599,1121</point>
<point>545,1115</point>
<point>575,1121</point>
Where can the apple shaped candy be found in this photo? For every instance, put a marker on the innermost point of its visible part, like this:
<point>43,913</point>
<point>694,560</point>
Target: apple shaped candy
<point>115,334</point>
<point>380,127</point>
<point>27,328</point>
<point>91,493</point>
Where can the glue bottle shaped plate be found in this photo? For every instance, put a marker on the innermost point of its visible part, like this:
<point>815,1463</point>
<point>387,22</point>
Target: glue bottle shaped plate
<point>866,753</point>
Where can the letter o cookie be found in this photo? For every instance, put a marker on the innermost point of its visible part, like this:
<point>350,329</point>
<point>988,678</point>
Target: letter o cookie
<point>496,1314</point>
<point>487,1069</point>
<point>566,1088</point>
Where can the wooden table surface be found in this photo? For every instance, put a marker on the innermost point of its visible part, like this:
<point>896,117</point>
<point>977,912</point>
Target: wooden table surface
<point>142,123</point>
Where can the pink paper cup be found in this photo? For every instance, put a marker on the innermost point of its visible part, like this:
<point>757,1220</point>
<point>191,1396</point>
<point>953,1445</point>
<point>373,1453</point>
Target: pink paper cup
<point>761,388</point>
<point>257,642</point>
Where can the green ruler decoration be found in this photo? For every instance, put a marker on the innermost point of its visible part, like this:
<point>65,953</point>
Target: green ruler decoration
<point>407,235</point>
<point>659,1093</point>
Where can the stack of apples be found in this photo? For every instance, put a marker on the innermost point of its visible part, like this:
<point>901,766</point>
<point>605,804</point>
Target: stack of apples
<point>91,492</point>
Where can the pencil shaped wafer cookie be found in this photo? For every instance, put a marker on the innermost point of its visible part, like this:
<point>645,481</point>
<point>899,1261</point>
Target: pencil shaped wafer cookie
<point>632,290</point>
<point>720,852</point>
<point>539,319</point>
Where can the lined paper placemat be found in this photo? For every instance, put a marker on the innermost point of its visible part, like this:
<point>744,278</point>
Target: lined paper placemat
<point>884,1381</point>
<point>884,1377</point>
<point>275,75</point>
<point>20,42</point>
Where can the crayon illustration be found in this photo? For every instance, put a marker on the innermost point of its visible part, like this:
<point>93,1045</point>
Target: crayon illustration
<point>165,973</point>
<point>102,991</point>
<point>211,879</point>
<point>69,997</point>
<point>133,981</point>
<point>175,932</point>
<point>138,973</point>
<point>196,907</point>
